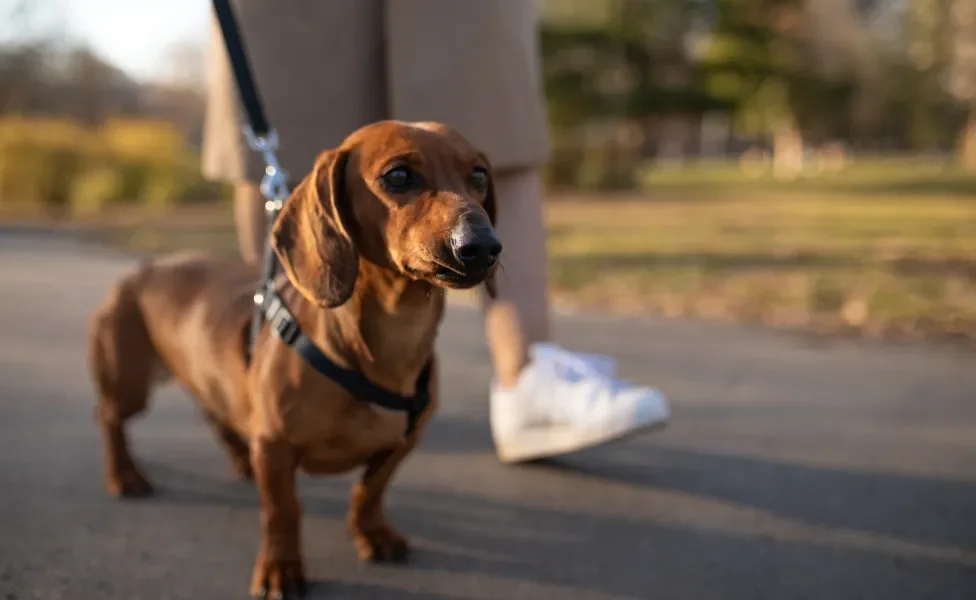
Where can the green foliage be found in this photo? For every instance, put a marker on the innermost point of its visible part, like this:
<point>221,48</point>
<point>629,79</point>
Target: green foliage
<point>61,167</point>
<point>612,69</point>
<point>615,62</point>
<point>775,66</point>
<point>757,62</point>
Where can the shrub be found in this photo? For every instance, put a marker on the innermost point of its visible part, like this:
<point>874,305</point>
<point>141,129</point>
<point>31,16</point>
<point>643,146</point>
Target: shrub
<point>59,166</point>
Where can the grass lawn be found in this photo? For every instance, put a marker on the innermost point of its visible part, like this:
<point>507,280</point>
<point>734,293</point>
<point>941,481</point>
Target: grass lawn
<point>879,249</point>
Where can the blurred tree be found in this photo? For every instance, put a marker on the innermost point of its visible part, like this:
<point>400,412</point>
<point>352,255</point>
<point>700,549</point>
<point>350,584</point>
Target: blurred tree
<point>780,64</point>
<point>23,40</point>
<point>180,97</point>
<point>621,65</point>
<point>622,58</point>
<point>924,38</point>
<point>95,89</point>
<point>21,77</point>
<point>877,73</point>
<point>962,74</point>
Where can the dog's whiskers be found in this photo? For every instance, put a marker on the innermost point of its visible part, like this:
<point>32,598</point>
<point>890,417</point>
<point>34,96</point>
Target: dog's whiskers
<point>445,265</point>
<point>425,253</point>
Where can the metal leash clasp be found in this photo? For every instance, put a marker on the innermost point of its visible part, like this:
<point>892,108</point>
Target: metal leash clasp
<point>274,184</point>
<point>274,187</point>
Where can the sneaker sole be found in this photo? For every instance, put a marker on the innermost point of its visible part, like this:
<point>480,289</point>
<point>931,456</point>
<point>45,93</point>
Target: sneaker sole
<point>553,441</point>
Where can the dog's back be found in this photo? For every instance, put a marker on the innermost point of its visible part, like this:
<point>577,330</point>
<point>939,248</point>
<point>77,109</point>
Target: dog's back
<point>160,315</point>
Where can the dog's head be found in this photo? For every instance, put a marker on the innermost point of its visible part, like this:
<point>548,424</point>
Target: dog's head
<point>415,198</point>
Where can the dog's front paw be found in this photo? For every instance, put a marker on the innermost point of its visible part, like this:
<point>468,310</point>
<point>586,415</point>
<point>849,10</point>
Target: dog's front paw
<point>278,580</point>
<point>129,483</point>
<point>380,544</point>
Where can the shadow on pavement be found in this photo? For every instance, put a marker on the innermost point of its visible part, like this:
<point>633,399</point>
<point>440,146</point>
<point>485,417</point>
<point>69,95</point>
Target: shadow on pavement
<point>743,528</point>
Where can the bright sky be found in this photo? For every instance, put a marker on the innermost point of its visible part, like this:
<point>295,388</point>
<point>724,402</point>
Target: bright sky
<point>134,34</point>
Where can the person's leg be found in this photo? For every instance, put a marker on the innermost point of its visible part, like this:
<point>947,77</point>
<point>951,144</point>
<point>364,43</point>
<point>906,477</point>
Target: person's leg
<point>250,221</point>
<point>546,400</point>
<point>225,155</point>
<point>522,278</point>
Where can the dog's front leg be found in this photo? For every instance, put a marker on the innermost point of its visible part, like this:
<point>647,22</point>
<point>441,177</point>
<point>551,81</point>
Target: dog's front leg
<point>376,540</point>
<point>279,572</point>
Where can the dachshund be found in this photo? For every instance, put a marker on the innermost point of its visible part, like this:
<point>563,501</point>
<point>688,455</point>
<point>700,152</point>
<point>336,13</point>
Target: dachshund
<point>369,243</point>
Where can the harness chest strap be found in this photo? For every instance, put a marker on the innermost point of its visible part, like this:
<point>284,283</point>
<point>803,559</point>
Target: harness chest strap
<point>284,325</point>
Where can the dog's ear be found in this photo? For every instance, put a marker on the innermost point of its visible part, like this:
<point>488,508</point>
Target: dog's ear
<point>311,236</point>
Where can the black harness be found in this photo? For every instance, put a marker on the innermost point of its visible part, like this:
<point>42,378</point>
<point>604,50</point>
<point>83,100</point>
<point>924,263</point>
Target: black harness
<point>268,303</point>
<point>284,325</point>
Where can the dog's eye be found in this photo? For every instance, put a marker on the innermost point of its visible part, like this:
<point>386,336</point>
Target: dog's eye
<point>398,179</point>
<point>479,179</point>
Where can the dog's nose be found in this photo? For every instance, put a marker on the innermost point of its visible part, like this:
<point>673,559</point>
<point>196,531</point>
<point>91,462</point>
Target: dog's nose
<point>475,247</point>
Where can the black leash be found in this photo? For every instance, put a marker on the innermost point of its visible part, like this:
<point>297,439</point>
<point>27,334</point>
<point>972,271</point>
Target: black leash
<point>261,138</point>
<point>268,304</point>
<point>242,68</point>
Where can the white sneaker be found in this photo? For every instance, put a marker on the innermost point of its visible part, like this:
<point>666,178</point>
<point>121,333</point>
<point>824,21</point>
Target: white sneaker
<point>563,402</point>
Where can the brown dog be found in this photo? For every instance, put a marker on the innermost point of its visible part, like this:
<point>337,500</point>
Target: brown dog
<point>369,241</point>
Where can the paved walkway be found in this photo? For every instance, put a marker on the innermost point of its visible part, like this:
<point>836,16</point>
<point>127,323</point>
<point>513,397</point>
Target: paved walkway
<point>792,470</point>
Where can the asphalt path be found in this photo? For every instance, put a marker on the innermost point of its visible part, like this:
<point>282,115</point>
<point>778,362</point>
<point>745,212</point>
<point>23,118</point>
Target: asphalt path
<point>793,469</point>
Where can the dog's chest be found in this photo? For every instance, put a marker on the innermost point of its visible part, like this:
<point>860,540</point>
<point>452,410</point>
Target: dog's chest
<point>337,432</point>
<point>400,345</point>
<point>347,437</point>
<point>332,430</point>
